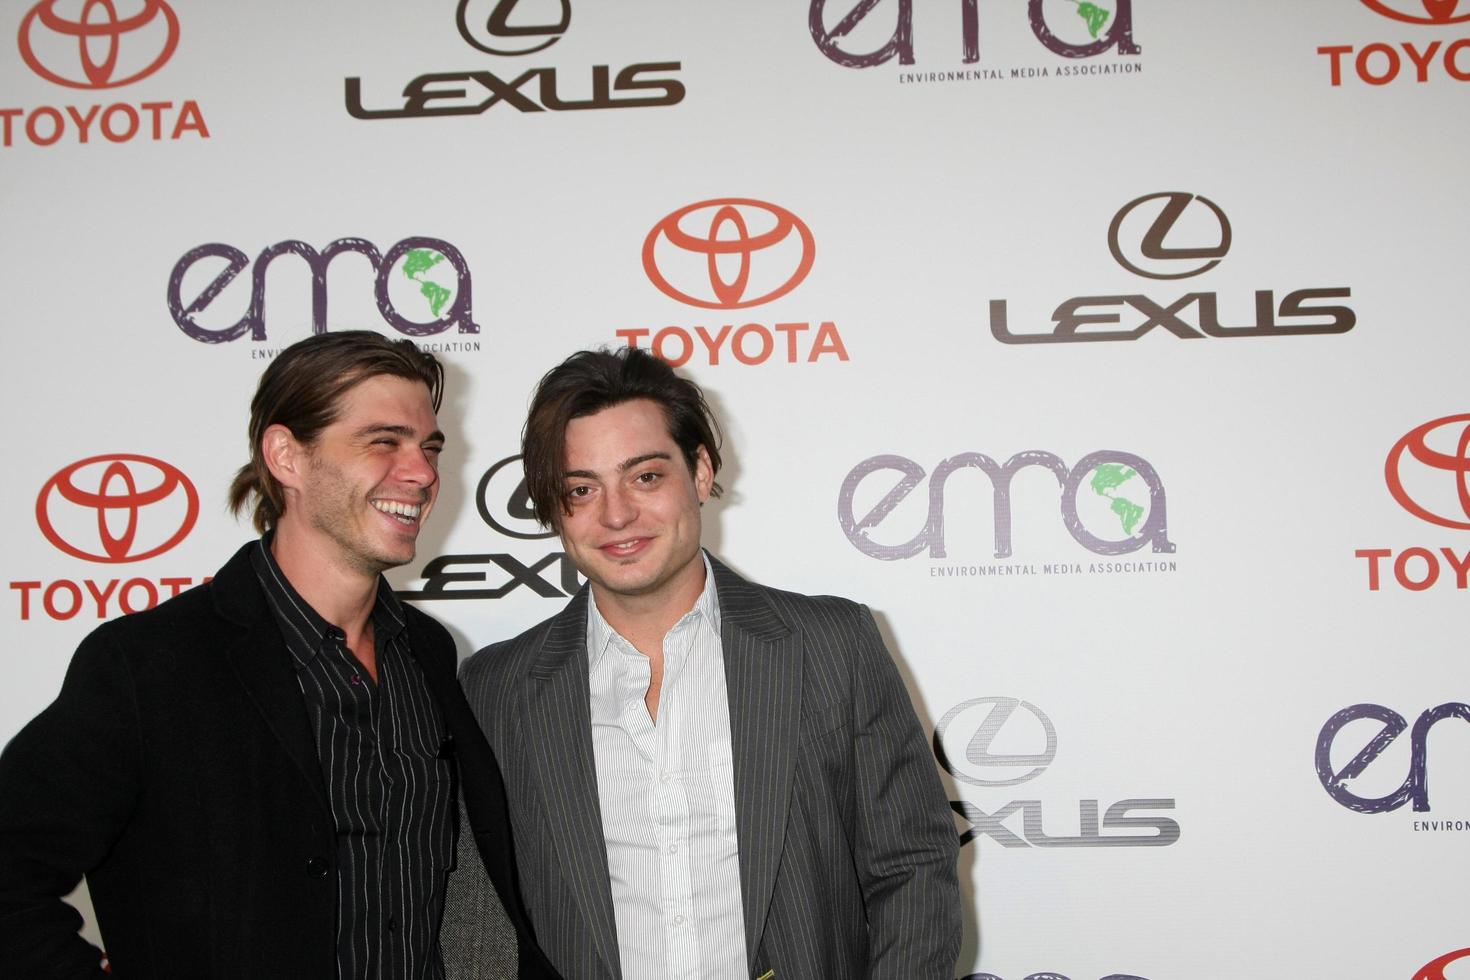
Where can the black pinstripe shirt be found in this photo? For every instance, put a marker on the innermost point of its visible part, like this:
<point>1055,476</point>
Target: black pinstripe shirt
<point>379,746</point>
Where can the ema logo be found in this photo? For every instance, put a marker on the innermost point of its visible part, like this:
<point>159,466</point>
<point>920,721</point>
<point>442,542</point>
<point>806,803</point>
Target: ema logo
<point>1067,28</point>
<point>421,287</point>
<point>492,27</point>
<point>966,743</point>
<point>1436,970</point>
<point>111,510</point>
<point>1381,63</point>
<point>733,253</point>
<point>1428,474</point>
<point>1176,235</point>
<point>1112,503</point>
<point>504,505</point>
<point>1414,788</point>
<point>95,45</point>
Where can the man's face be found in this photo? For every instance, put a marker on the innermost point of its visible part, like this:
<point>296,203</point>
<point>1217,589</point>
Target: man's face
<point>371,478</point>
<point>634,524</point>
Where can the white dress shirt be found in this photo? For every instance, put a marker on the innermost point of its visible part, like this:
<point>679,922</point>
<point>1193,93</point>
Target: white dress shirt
<point>668,799</point>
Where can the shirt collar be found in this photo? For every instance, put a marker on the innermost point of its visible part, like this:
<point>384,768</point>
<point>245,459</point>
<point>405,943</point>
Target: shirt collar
<point>600,633</point>
<point>304,628</point>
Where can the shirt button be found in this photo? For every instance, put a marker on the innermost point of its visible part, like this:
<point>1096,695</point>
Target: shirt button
<point>678,920</point>
<point>392,923</point>
<point>316,868</point>
<point>673,848</point>
<point>664,777</point>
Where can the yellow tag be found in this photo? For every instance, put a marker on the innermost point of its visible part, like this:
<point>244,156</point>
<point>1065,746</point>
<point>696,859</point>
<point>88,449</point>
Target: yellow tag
<point>768,975</point>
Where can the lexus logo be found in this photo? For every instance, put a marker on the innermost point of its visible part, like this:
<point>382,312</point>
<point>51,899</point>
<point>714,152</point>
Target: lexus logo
<point>504,503</point>
<point>91,51</point>
<point>729,253</point>
<point>1420,476</point>
<point>1159,253</point>
<point>506,38</point>
<point>117,508</point>
<point>1435,970</point>
<point>965,736</point>
<point>1420,12</point>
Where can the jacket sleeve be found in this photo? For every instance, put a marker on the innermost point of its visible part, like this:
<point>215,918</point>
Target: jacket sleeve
<point>68,784</point>
<point>905,845</point>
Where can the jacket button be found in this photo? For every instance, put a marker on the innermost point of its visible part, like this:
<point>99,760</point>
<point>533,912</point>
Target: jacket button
<point>317,868</point>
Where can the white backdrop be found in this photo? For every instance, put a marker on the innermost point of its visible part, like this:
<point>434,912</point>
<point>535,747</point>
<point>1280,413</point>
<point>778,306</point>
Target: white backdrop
<point>1154,663</point>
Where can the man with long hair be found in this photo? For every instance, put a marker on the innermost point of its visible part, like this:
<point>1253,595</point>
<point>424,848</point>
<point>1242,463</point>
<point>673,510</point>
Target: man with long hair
<point>257,777</point>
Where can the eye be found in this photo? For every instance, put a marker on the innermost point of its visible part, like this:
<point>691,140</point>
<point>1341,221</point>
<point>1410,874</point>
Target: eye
<point>648,477</point>
<point>579,492</point>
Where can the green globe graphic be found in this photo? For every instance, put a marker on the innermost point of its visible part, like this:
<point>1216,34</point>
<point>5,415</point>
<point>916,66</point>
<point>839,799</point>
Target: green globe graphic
<point>1125,493</point>
<point>416,266</point>
<point>1094,16</point>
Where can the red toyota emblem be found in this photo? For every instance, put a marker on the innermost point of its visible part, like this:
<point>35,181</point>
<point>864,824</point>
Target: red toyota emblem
<point>1420,12</point>
<point>771,252</point>
<point>1435,970</point>
<point>1416,446</point>
<point>158,502</point>
<point>47,38</point>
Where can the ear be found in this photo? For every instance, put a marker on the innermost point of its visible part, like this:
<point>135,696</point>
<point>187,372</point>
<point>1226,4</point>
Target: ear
<point>704,474</point>
<point>283,456</point>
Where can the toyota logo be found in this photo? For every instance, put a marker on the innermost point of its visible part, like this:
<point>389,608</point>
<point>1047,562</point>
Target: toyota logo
<point>963,739</point>
<point>1153,257</point>
<point>1398,471</point>
<point>117,508</point>
<point>84,53</point>
<point>1435,970</point>
<point>504,504</point>
<point>1423,12</point>
<point>498,26</point>
<point>728,254</point>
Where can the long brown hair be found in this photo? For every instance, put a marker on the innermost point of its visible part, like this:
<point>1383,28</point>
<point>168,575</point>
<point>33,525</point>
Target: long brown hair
<point>302,389</point>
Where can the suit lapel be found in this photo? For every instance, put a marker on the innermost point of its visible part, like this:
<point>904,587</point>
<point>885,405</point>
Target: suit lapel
<point>559,712</point>
<point>763,661</point>
<point>260,661</point>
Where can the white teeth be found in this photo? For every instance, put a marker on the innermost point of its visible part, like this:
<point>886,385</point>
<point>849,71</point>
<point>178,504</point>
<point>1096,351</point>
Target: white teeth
<point>399,510</point>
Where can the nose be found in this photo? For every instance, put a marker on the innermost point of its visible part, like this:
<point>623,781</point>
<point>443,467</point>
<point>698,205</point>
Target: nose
<point>618,508</point>
<point>417,467</point>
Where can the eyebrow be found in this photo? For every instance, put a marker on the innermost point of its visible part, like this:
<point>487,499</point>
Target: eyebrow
<point>403,431</point>
<point>623,467</point>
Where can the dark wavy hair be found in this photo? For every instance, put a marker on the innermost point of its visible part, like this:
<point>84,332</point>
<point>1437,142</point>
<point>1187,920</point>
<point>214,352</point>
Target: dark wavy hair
<point>302,389</point>
<point>585,384</point>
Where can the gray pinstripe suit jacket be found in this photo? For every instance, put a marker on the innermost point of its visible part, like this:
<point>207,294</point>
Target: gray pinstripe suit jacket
<point>847,845</point>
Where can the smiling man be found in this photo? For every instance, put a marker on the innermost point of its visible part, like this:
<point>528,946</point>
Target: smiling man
<point>257,778</point>
<point>708,779</point>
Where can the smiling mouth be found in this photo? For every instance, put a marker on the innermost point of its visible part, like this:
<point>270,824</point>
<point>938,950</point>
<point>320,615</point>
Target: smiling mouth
<point>621,549</point>
<point>407,514</point>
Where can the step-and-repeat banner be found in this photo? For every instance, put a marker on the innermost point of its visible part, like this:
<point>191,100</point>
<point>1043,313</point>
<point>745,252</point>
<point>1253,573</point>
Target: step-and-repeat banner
<point>1115,352</point>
